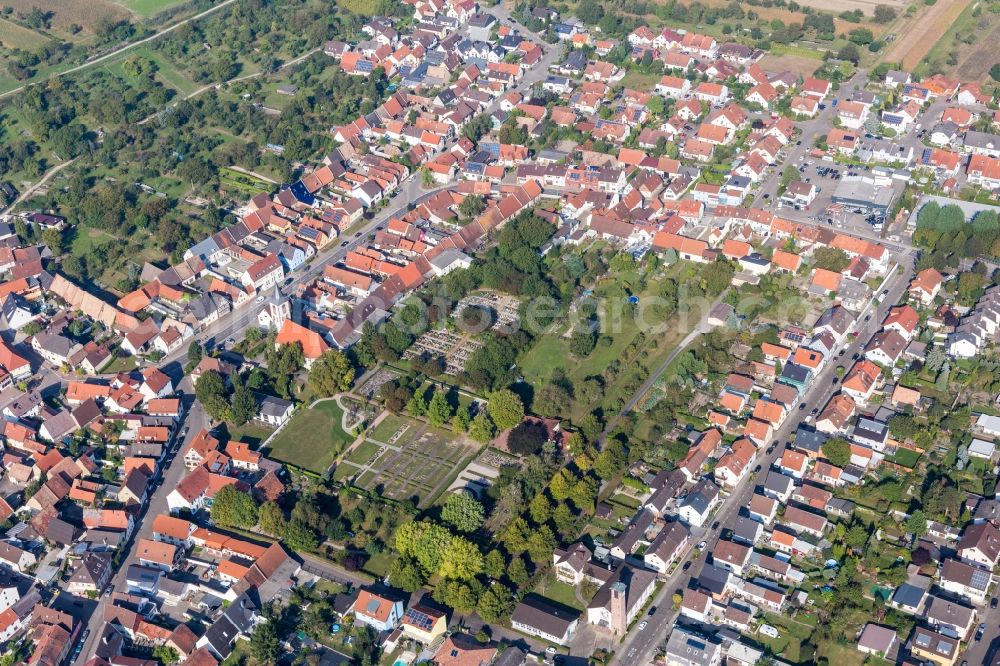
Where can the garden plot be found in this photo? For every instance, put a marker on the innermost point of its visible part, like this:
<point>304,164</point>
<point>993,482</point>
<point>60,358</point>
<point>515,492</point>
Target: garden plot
<point>418,463</point>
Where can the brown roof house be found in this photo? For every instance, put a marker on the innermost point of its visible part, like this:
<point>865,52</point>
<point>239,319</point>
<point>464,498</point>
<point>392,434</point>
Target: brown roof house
<point>980,544</point>
<point>91,574</point>
<point>621,599</point>
<point>535,617</point>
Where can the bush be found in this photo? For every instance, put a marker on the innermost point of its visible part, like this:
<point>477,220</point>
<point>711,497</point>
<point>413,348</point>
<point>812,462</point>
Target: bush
<point>884,14</point>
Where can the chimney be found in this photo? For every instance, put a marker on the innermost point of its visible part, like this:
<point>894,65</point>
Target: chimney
<point>619,617</point>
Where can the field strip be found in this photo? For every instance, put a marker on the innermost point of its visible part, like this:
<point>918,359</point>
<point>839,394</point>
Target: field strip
<point>910,49</point>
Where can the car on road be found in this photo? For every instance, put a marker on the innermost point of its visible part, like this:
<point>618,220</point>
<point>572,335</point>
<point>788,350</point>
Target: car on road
<point>994,602</point>
<point>715,525</point>
<point>550,650</point>
<point>652,611</point>
<point>802,406</point>
<point>756,469</point>
<point>230,341</point>
<point>288,280</point>
<point>687,565</point>
<point>702,545</point>
<point>815,411</point>
<point>344,244</point>
<point>357,235</point>
<point>260,299</point>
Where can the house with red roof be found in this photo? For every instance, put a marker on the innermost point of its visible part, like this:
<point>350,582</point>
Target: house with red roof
<point>816,88</point>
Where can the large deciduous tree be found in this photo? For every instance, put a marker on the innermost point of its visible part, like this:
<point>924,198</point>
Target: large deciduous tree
<point>331,373</point>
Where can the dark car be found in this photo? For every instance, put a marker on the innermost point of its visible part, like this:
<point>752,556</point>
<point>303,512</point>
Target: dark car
<point>652,610</point>
<point>344,244</point>
<point>687,565</point>
<point>756,469</point>
<point>993,602</point>
<point>715,525</point>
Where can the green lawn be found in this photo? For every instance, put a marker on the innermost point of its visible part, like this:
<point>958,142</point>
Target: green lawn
<point>561,593</point>
<point>364,452</point>
<point>251,433</point>
<point>378,565</point>
<point>619,328</point>
<point>313,438</point>
<point>149,7</point>
<point>905,458</point>
<point>343,471</point>
<point>387,428</point>
<point>166,71</point>
<point>87,241</point>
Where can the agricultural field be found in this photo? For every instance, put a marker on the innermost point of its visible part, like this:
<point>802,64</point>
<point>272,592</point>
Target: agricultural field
<point>914,44</point>
<point>787,16</point>
<point>966,48</point>
<point>64,14</point>
<point>312,439</point>
<point>14,36</point>
<point>794,61</point>
<point>416,460</point>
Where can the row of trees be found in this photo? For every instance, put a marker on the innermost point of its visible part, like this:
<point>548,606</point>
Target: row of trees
<point>944,232</point>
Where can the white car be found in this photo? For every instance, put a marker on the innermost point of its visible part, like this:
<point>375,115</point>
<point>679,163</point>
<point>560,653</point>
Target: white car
<point>260,299</point>
<point>642,625</point>
<point>768,630</point>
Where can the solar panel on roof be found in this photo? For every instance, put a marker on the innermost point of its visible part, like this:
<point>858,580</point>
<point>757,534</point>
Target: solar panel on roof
<point>980,579</point>
<point>419,619</point>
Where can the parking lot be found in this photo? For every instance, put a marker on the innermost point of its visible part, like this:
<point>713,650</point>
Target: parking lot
<point>826,176</point>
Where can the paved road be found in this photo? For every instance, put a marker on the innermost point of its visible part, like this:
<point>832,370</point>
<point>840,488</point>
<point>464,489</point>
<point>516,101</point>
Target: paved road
<point>172,471</point>
<point>641,647</point>
<point>123,49</point>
